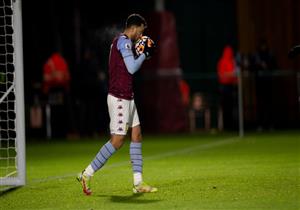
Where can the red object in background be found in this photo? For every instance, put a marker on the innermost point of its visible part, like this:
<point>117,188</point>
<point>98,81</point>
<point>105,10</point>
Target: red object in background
<point>56,73</point>
<point>163,109</point>
<point>227,67</point>
<point>185,92</point>
<point>162,29</point>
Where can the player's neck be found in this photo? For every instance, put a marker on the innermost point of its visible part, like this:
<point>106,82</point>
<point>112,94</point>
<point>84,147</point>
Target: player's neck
<point>128,33</point>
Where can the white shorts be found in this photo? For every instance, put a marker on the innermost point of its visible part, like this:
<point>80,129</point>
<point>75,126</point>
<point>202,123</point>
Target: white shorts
<point>122,113</point>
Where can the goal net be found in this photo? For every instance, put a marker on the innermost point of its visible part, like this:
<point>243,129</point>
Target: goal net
<point>12,137</point>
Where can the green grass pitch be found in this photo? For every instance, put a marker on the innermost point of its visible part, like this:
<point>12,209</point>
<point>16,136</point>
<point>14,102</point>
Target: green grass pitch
<point>260,171</point>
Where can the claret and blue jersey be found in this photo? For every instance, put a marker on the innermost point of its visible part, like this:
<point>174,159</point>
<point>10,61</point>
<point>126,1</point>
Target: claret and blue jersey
<point>122,65</point>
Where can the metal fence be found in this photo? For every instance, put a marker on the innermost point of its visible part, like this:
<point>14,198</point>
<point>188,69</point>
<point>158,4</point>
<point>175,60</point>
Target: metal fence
<point>261,101</point>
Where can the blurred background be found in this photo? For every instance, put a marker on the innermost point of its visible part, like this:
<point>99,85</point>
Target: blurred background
<point>208,55</point>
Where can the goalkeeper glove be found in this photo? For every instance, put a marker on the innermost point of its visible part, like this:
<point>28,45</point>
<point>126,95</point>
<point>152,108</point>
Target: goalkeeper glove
<point>149,48</point>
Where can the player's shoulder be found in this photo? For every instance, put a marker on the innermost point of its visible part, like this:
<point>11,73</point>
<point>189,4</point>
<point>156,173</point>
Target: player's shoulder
<point>123,36</point>
<point>124,42</point>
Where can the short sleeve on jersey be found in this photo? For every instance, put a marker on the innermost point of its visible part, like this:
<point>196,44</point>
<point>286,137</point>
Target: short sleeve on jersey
<point>124,45</point>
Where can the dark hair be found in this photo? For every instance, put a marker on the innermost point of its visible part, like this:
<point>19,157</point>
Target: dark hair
<point>135,20</point>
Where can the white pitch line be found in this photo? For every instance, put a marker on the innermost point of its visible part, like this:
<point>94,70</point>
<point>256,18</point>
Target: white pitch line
<point>200,147</point>
<point>192,149</point>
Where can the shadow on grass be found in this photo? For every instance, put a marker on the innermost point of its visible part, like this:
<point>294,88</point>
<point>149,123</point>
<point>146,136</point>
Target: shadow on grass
<point>6,190</point>
<point>135,198</point>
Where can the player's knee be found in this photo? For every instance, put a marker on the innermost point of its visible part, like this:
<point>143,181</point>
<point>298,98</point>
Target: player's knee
<point>136,136</point>
<point>117,141</point>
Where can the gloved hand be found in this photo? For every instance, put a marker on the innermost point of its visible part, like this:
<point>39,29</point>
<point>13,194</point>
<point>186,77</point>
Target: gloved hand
<point>144,45</point>
<point>149,48</point>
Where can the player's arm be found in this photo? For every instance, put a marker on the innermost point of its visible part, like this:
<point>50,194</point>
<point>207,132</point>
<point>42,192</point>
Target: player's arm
<point>125,47</point>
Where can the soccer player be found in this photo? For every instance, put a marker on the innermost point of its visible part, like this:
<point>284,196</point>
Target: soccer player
<point>121,106</point>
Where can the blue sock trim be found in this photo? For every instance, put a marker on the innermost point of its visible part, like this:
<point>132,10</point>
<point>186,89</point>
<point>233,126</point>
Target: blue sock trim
<point>136,156</point>
<point>110,147</point>
<point>102,156</point>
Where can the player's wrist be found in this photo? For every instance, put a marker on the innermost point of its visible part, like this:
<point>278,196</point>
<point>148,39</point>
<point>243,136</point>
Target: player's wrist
<point>147,55</point>
<point>144,55</point>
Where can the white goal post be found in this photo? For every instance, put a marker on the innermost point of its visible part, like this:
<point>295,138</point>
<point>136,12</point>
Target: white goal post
<point>12,122</point>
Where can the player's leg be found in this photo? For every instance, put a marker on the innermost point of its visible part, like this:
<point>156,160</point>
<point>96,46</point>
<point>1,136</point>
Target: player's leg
<point>118,112</point>
<point>136,154</point>
<point>106,151</point>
